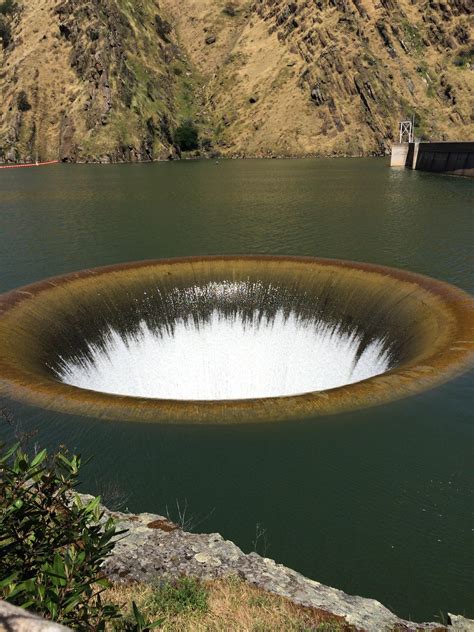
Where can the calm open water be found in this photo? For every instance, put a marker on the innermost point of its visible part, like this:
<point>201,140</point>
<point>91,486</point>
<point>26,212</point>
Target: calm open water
<point>376,502</point>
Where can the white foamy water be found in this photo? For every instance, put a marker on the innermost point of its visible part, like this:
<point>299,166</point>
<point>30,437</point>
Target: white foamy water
<point>226,358</point>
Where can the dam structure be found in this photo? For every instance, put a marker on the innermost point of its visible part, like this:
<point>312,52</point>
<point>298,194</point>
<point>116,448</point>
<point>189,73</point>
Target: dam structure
<point>453,158</point>
<point>230,339</point>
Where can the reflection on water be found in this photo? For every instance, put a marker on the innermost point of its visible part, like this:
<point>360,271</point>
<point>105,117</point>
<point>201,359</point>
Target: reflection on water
<point>375,502</point>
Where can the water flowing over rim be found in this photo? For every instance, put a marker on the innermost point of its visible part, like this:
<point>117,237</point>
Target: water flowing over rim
<point>224,358</point>
<point>445,349</point>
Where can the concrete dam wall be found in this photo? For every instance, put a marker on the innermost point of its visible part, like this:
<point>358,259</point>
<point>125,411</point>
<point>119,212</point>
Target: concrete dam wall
<point>455,158</point>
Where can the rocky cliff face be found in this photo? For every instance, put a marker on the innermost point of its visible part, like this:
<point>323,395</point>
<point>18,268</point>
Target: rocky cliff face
<point>96,78</point>
<point>331,76</point>
<point>109,80</point>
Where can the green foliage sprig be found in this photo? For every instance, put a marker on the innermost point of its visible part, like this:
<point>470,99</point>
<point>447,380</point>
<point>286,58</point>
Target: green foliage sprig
<point>52,544</point>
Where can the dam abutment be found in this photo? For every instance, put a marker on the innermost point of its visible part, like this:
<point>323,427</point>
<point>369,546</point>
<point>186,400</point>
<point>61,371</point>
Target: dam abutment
<point>452,158</point>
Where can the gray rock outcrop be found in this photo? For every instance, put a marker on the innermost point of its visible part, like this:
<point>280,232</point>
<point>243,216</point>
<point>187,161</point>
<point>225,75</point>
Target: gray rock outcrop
<point>155,547</point>
<point>13,619</point>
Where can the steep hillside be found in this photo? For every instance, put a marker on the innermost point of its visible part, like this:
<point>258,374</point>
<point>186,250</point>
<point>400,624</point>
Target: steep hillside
<point>329,76</point>
<point>97,81</point>
<point>110,80</point>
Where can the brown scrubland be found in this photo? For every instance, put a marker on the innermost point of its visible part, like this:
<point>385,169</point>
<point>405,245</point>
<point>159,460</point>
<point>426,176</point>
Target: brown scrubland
<point>111,80</point>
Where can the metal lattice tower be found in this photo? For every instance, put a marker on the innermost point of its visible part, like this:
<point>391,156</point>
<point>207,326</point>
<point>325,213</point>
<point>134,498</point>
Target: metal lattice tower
<point>406,131</point>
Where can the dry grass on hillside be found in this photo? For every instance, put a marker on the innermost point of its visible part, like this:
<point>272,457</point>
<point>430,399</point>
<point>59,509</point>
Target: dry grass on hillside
<point>260,73</point>
<point>220,606</point>
<point>112,80</point>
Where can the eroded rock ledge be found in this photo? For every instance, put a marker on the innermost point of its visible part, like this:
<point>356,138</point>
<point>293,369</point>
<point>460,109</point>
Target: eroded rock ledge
<point>154,546</point>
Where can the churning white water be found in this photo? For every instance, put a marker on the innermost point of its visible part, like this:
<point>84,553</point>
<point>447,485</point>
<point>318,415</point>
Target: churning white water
<point>226,358</point>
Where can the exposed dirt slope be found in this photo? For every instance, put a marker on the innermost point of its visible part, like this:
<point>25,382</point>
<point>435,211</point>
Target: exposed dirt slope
<point>109,80</point>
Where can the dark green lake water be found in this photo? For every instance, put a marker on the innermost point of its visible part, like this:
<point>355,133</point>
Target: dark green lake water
<point>376,502</point>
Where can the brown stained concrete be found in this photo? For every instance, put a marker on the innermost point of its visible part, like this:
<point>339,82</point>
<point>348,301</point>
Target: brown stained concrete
<point>435,322</point>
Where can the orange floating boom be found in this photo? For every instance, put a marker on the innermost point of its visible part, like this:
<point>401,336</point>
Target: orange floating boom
<point>33,164</point>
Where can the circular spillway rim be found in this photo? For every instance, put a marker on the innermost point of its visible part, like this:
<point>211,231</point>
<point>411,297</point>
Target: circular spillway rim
<point>454,354</point>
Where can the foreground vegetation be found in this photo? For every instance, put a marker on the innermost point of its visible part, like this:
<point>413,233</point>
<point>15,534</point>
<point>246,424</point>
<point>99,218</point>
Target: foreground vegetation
<point>53,545</point>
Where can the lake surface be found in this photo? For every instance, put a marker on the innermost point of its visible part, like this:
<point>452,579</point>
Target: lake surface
<point>376,502</point>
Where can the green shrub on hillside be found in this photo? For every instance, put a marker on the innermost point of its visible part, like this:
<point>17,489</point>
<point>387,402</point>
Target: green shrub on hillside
<point>22,102</point>
<point>5,32</point>
<point>186,136</point>
<point>7,7</point>
<point>230,9</point>
<point>464,57</point>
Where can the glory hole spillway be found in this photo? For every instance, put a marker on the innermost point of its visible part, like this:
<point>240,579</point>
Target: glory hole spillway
<point>230,339</point>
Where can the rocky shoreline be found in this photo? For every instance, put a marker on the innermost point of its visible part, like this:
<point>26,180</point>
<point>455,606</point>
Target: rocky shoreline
<point>154,546</point>
<point>114,159</point>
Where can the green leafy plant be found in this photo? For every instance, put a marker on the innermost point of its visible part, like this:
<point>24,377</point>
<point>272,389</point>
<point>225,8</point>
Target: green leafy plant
<point>137,622</point>
<point>186,136</point>
<point>52,544</point>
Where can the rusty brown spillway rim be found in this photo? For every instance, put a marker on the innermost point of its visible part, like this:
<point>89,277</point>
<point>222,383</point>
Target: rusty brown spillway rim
<point>449,353</point>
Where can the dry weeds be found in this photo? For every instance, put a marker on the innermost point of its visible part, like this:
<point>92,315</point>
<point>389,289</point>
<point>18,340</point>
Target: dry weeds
<point>233,605</point>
